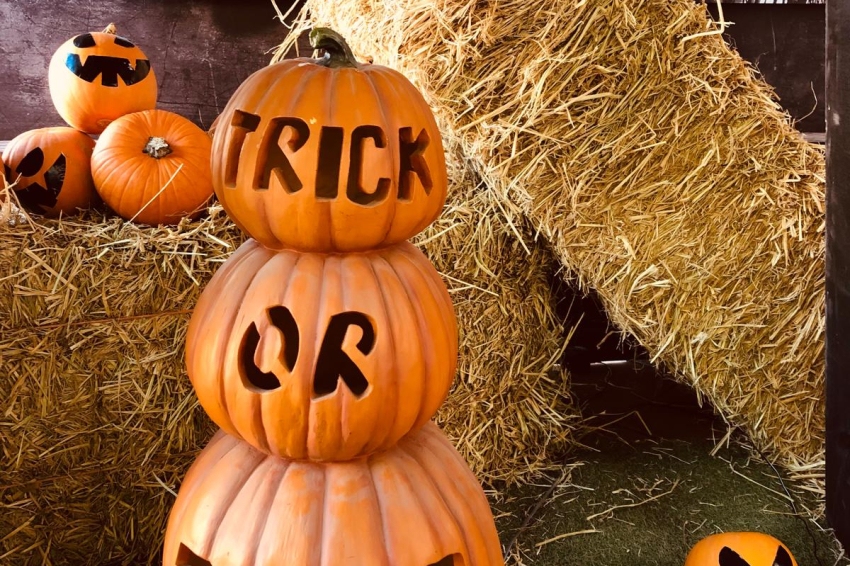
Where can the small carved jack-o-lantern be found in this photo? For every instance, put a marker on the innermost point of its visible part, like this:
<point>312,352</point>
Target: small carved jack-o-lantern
<point>326,357</point>
<point>329,155</point>
<point>51,169</point>
<point>740,549</point>
<point>417,504</point>
<point>97,77</point>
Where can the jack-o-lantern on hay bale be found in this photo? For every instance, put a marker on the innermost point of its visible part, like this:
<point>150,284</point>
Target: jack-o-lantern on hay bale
<point>659,167</point>
<point>101,422</point>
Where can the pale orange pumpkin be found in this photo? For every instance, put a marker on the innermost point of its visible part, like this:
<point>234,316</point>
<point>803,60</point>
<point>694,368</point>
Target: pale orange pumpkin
<point>329,154</point>
<point>326,357</point>
<point>740,549</point>
<point>417,504</point>
<point>51,170</point>
<point>97,77</point>
<point>153,167</point>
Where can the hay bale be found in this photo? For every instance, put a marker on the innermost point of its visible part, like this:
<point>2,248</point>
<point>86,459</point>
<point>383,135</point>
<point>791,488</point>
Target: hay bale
<point>509,410</point>
<point>658,165</point>
<point>99,422</point>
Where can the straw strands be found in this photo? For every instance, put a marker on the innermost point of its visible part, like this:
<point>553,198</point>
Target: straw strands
<point>99,423</point>
<point>660,168</point>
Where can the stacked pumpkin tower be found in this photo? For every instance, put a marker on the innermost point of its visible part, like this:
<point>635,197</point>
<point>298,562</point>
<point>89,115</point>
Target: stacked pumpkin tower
<point>325,345</point>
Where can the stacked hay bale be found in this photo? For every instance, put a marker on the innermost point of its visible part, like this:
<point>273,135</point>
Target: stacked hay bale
<point>660,168</point>
<point>99,422</point>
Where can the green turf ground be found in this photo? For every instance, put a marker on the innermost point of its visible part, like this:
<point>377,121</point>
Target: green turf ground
<point>648,487</point>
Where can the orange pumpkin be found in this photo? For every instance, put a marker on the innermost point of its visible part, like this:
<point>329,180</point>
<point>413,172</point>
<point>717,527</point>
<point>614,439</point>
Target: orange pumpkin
<point>51,170</point>
<point>326,357</point>
<point>415,505</point>
<point>329,155</point>
<point>97,77</point>
<point>153,167</point>
<point>740,549</point>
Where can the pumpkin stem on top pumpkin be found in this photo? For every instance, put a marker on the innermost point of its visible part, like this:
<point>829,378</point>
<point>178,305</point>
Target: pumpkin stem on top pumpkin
<point>157,147</point>
<point>111,29</point>
<point>337,52</point>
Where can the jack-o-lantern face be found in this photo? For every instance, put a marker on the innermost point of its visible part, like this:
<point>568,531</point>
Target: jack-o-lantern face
<point>417,504</point>
<point>52,170</point>
<point>740,549</point>
<point>329,155</point>
<point>97,77</point>
<point>326,357</point>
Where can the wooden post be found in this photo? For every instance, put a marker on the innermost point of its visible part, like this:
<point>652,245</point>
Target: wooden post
<point>838,268</point>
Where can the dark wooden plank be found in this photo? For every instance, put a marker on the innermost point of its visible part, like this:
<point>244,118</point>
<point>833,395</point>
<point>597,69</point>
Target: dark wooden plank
<point>201,50</point>
<point>786,44</point>
<point>773,2</point>
<point>838,270</point>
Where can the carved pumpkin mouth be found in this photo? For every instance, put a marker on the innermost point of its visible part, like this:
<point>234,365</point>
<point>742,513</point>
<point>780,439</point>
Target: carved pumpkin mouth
<point>108,68</point>
<point>37,196</point>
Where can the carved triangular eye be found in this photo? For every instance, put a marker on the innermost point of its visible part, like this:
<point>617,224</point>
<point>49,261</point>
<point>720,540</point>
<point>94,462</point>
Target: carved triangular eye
<point>782,558</point>
<point>447,561</point>
<point>84,40</point>
<point>123,41</point>
<point>186,557</point>
<point>31,164</point>
<point>729,557</point>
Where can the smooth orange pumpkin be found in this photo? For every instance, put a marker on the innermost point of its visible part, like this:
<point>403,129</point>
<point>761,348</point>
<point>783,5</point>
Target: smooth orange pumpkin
<point>51,170</point>
<point>329,154</point>
<point>153,167</point>
<point>740,549</point>
<point>415,505</point>
<point>97,77</point>
<point>327,357</point>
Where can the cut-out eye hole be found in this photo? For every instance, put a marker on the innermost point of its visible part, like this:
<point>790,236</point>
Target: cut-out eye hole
<point>185,557</point>
<point>84,40</point>
<point>729,557</point>
<point>123,41</point>
<point>31,164</point>
<point>448,561</point>
<point>782,558</point>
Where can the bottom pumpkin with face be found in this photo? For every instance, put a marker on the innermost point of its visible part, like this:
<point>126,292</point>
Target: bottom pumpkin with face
<point>51,170</point>
<point>417,504</point>
<point>740,549</point>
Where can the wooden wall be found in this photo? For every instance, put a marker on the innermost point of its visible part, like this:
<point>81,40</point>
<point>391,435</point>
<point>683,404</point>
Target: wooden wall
<point>201,50</point>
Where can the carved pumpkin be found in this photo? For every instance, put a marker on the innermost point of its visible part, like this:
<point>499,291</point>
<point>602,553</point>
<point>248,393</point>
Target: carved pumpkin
<point>97,77</point>
<point>417,504</point>
<point>326,357</point>
<point>153,167</point>
<point>329,154</point>
<point>740,549</point>
<point>51,169</point>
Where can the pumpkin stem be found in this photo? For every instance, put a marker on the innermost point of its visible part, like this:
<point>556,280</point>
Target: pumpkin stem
<point>110,29</point>
<point>157,147</point>
<point>337,52</point>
